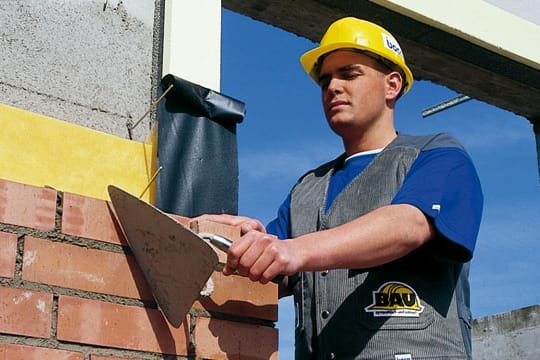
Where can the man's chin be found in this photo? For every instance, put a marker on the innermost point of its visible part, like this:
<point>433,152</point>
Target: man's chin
<point>339,119</point>
<point>341,127</point>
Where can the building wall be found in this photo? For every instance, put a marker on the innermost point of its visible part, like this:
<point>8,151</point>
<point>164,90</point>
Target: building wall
<point>510,335</point>
<point>70,289</point>
<point>89,62</point>
<point>69,286</point>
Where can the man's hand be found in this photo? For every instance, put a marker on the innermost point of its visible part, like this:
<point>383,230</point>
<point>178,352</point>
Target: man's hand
<point>261,257</point>
<point>257,255</point>
<point>246,224</point>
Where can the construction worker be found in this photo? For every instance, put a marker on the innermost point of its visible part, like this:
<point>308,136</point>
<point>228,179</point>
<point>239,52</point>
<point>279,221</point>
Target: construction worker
<point>376,242</point>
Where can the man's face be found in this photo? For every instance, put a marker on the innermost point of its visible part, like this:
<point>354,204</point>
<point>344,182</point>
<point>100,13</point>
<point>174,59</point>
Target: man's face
<point>353,89</point>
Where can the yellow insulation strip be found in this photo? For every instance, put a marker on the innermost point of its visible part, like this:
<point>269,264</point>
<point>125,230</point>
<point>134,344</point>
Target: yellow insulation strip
<point>42,151</point>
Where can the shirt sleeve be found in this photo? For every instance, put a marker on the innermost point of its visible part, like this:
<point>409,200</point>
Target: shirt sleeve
<point>280,225</point>
<point>443,184</point>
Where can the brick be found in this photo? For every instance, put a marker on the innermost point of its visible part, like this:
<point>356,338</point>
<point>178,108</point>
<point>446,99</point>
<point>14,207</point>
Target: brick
<point>24,312</point>
<point>120,326</point>
<point>99,357</point>
<point>95,219</point>
<point>26,205</point>
<point>181,219</point>
<point>220,340</point>
<point>81,268</point>
<point>22,352</point>
<point>8,244</point>
<point>90,218</point>
<point>234,294</point>
<point>240,296</point>
<point>230,232</point>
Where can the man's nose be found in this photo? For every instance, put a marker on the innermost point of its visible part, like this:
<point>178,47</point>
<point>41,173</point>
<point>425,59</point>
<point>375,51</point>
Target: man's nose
<point>335,85</point>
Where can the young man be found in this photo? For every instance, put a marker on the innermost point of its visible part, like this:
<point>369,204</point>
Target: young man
<point>375,243</point>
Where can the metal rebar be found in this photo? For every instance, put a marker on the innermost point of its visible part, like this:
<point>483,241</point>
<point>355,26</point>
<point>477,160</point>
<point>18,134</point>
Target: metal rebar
<point>130,126</point>
<point>445,105</point>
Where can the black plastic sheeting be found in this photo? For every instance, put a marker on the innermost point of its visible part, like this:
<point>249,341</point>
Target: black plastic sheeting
<point>197,150</point>
<point>536,129</point>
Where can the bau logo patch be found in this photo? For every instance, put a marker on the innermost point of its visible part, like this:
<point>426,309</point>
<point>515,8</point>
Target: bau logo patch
<point>391,44</point>
<point>395,299</point>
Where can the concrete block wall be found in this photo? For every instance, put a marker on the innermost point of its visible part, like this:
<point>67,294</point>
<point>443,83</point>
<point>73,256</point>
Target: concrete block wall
<point>70,289</point>
<point>510,335</point>
<point>94,63</point>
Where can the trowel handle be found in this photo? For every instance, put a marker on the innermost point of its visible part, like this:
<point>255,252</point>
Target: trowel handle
<point>223,244</point>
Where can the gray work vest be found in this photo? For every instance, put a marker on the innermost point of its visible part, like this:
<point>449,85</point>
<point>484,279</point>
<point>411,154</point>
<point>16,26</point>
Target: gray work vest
<point>403,310</point>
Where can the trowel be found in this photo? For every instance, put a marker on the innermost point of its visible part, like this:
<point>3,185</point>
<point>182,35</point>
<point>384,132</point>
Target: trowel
<point>175,261</point>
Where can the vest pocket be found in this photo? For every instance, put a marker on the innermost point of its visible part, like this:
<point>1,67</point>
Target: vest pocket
<point>385,304</point>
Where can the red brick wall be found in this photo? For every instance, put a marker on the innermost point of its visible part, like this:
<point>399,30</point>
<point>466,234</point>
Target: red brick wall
<point>70,290</point>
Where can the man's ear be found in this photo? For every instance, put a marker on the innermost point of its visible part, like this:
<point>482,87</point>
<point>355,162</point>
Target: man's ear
<point>394,84</point>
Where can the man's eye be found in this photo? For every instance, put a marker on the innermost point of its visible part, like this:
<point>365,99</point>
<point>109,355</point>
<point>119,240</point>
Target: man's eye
<point>323,83</point>
<point>350,75</point>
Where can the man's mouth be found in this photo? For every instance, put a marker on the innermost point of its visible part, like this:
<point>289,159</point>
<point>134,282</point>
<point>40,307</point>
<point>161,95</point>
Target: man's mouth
<point>336,105</point>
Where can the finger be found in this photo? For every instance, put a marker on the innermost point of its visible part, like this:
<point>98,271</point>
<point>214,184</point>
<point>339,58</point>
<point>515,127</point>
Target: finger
<point>272,263</point>
<point>252,225</point>
<point>246,224</point>
<point>228,271</point>
<point>225,219</point>
<point>259,256</point>
<point>236,252</point>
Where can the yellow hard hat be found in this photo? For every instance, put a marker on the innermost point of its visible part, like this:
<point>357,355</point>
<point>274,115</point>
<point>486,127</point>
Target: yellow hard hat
<point>353,33</point>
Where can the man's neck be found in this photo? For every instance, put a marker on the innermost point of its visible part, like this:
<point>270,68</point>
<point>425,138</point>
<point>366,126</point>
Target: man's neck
<point>367,143</point>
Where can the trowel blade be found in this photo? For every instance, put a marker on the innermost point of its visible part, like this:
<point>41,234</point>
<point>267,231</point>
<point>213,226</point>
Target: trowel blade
<point>175,261</point>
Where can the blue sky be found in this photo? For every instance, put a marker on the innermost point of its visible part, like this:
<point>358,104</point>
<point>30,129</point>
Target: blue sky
<point>285,134</point>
